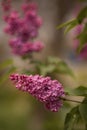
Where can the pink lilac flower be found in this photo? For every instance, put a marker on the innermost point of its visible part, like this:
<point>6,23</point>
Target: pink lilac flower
<point>23,29</point>
<point>21,49</point>
<point>83,53</point>
<point>13,23</point>
<point>44,89</point>
<point>76,31</point>
<point>31,6</point>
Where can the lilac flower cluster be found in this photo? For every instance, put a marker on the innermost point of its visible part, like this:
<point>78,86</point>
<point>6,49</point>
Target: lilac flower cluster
<point>23,29</point>
<point>42,88</point>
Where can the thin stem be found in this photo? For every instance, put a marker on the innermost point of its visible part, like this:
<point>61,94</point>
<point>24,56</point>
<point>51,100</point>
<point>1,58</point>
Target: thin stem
<point>72,100</point>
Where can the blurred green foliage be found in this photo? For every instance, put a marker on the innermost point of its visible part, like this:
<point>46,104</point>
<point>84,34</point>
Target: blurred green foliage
<point>81,17</point>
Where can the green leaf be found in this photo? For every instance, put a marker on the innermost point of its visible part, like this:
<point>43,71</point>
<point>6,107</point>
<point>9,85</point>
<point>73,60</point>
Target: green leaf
<point>53,60</point>
<point>53,65</point>
<point>82,15</point>
<point>67,23</point>
<point>83,110</point>
<point>60,66</point>
<point>80,91</point>
<point>45,69</point>
<point>63,68</point>
<point>71,26</point>
<point>6,63</point>
<point>72,118</point>
<point>83,40</point>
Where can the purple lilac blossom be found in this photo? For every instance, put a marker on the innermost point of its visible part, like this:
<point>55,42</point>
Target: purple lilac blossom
<point>6,5</point>
<point>21,49</point>
<point>23,29</point>
<point>44,89</point>
<point>83,53</point>
<point>76,31</point>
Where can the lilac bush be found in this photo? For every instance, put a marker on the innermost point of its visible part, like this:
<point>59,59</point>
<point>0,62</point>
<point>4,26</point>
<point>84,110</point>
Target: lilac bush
<point>23,28</point>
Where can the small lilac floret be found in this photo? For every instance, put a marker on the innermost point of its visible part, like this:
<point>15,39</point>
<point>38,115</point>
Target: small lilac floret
<point>6,5</point>
<point>22,48</point>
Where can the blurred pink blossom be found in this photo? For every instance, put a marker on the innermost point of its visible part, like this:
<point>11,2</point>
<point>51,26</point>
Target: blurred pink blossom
<point>24,29</point>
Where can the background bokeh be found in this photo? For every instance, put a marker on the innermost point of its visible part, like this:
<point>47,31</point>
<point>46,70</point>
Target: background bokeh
<point>19,111</point>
